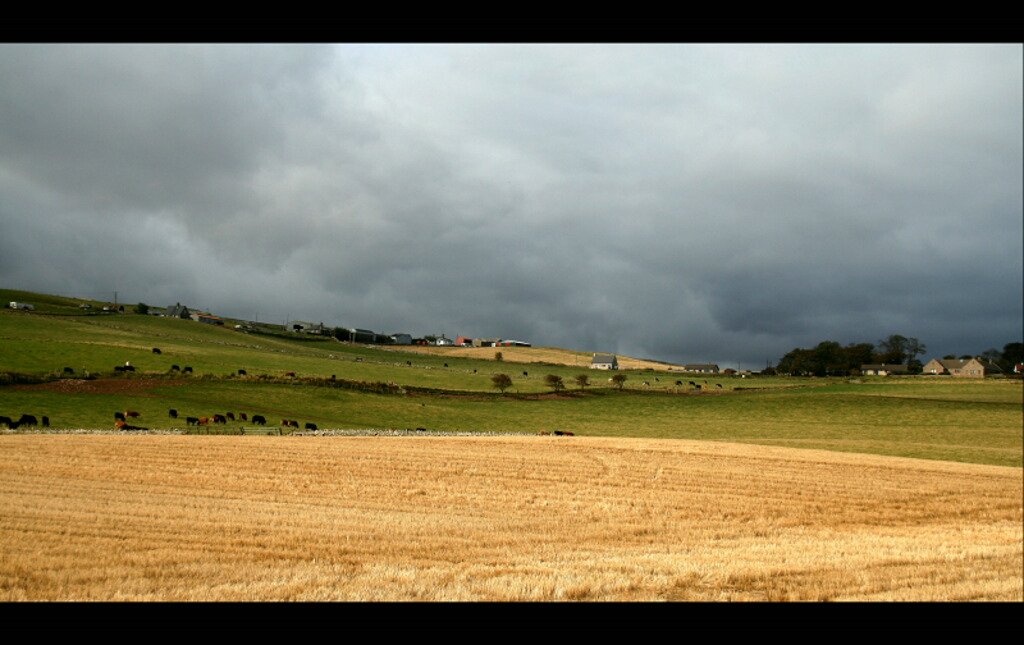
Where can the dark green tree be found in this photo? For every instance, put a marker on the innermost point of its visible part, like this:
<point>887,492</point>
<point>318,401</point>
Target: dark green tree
<point>1013,353</point>
<point>142,308</point>
<point>892,350</point>
<point>582,380</point>
<point>619,380</point>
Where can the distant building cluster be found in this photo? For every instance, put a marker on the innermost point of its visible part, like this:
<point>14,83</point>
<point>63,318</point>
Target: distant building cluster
<point>346,334</point>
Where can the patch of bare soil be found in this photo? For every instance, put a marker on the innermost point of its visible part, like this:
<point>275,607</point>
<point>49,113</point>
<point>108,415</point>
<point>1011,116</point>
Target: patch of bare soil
<point>137,387</point>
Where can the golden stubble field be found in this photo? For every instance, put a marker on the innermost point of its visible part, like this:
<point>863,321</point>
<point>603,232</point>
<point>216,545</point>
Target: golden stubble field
<point>552,355</point>
<point>92,517</point>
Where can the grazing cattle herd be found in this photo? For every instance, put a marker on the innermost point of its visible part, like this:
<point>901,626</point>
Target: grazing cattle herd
<point>25,420</point>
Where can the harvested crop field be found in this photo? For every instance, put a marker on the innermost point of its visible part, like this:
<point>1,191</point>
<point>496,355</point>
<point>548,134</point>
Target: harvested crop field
<point>496,518</point>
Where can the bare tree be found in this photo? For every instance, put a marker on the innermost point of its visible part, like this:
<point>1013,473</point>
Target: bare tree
<point>502,382</point>
<point>554,382</point>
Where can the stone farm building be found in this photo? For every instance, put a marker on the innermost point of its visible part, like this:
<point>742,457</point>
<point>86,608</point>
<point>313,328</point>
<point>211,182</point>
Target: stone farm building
<point>701,368</point>
<point>299,326</point>
<point>962,367</point>
<point>604,362</point>
<point>177,311</point>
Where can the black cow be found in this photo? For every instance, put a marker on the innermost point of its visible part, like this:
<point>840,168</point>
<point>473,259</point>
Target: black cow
<point>259,419</point>
<point>310,426</point>
<point>230,415</point>
<point>172,413</point>
<point>44,421</point>
<point>446,364</point>
<point>27,420</point>
<point>526,373</point>
<point>242,373</point>
<point>219,418</point>
<point>68,370</point>
<point>192,421</point>
<point>6,421</point>
<point>156,350</point>
<point>678,383</point>
<point>175,368</point>
<point>187,370</point>
<point>718,385</point>
<point>409,363</point>
<point>119,416</point>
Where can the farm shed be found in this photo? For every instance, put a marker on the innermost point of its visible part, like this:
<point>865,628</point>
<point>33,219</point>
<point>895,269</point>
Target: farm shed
<point>24,306</point>
<point>604,362</point>
<point>401,339</point>
<point>209,319</point>
<point>514,343</point>
<point>361,335</point>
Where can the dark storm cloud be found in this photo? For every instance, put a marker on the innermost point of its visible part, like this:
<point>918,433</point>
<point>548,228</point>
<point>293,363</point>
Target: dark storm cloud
<point>680,202</point>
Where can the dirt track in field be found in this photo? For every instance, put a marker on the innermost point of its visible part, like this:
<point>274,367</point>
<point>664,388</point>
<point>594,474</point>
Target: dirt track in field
<point>138,387</point>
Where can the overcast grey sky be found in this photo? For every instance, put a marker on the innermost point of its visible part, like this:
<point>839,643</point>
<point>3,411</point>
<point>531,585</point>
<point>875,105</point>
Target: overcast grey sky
<point>692,203</point>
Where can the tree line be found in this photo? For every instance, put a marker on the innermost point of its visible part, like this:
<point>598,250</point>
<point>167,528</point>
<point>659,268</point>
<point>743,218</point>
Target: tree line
<point>829,358</point>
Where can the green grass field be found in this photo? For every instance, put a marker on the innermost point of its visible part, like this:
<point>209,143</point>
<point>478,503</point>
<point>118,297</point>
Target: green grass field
<point>925,417</point>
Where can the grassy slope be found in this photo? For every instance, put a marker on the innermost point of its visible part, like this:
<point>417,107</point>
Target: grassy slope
<point>947,419</point>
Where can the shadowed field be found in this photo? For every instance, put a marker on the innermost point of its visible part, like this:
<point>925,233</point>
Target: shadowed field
<point>536,518</point>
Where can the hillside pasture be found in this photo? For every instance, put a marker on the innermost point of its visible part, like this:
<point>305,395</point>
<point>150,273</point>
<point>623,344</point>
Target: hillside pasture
<point>41,344</point>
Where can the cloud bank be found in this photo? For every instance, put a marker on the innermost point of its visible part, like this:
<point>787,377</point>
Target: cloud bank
<point>681,202</point>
